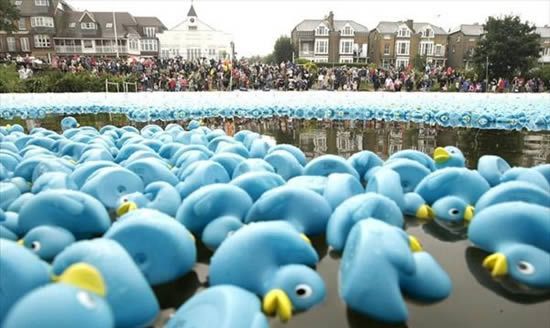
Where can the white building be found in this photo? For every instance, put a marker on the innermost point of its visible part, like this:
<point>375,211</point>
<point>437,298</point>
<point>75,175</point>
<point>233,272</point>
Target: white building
<point>193,39</point>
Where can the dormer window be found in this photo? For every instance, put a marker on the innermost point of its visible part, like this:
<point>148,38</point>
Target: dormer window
<point>321,30</point>
<point>42,22</point>
<point>428,33</point>
<point>88,26</point>
<point>109,25</point>
<point>149,32</point>
<point>42,3</point>
<point>72,25</point>
<point>404,32</point>
<point>347,31</point>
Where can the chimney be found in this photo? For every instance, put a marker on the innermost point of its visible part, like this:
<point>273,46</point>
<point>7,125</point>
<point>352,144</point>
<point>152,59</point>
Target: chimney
<point>409,23</point>
<point>330,20</point>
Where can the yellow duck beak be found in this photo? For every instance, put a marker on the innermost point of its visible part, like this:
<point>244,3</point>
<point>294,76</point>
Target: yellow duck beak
<point>441,155</point>
<point>21,242</point>
<point>469,213</point>
<point>276,301</point>
<point>305,238</point>
<point>84,276</point>
<point>425,212</point>
<point>125,208</point>
<point>497,263</point>
<point>414,244</point>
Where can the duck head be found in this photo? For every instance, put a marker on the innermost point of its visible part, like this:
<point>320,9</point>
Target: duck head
<point>47,241</point>
<point>526,264</point>
<point>448,157</point>
<point>293,288</point>
<point>453,209</point>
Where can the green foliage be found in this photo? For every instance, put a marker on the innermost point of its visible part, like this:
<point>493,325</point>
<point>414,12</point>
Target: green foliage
<point>283,49</point>
<point>9,14</point>
<point>419,62</point>
<point>542,72</point>
<point>302,61</point>
<point>9,79</point>
<point>510,45</point>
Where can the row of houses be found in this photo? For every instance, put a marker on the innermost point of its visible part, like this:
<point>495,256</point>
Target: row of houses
<point>392,43</point>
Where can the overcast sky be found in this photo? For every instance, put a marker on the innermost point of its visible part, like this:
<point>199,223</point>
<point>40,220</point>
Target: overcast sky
<point>256,24</point>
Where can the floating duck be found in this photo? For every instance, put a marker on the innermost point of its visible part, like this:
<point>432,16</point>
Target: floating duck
<point>22,271</point>
<point>227,306</point>
<point>75,301</point>
<point>341,186</point>
<point>364,161</point>
<point>169,252</point>
<point>160,196</point>
<point>109,184</point>
<point>53,180</point>
<point>10,192</point>
<point>445,191</point>
<point>511,192</point>
<point>257,183</point>
<point>284,164</point>
<point>376,244</point>
<point>252,165</point>
<point>528,175</point>
<point>410,172</point>
<point>214,211</point>
<point>416,156</point>
<point>387,182</point>
<point>131,299</point>
<point>200,174</point>
<point>78,213</point>
<point>516,233</point>
<point>448,157</point>
<point>328,164</point>
<point>69,122</point>
<point>259,148</point>
<point>228,160</point>
<point>295,151</point>
<point>6,233</point>
<point>83,171</point>
<point>492,168</point>
<point>357,208</point>
<point>278,269</point>
<point>544,169</point>
<point>47,241</point>
<point>287,203</point>
<point>312,182</point>
<point>18,203</point>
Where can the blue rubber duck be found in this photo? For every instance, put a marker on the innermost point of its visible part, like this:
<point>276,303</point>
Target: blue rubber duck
<point>295,151</point>
<point>80,214</point>
<point>410,172</point>
<point>278,269</point>
<point>213,212</point>
<point>364,161</point>
<point>169,252</point>
<point>252,165</point>
<point>109,184</point>
<point>76,300</point>
<point>529,175</point>
<point>328,164</point>
<point>284,164</point>
<point>83,171</point>
<point>47,241</point>
<point>316,183</point>
<point>151,170</point>
<point>129,295</point>
<point>361,207</point>
<point>222,306</point>
<point>452,192</point>
<point>159,195</point>
<point>513,191</point>
<point>544,169</point>
<point>449,156</point>
<point>287,203</point>
<point>229,161</point>
<point>492,167</point>
<point>516,233</point>
<point>257,183</point>
<point>21,271</point>
<point>53,180</point>
<point>201,174</point>
<point>378,292</point>
<point>416,156</point>
<point>69,122</point>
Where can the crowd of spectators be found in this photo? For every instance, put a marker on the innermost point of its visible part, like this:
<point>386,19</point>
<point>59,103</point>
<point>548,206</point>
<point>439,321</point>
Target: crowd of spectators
<point>177,74</point>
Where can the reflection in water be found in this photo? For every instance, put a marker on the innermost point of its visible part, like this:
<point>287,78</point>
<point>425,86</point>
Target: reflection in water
<point>504,287</point>
<point>445,231</point>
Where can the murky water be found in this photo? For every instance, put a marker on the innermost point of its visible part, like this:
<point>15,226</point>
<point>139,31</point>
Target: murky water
<point>476,301</point>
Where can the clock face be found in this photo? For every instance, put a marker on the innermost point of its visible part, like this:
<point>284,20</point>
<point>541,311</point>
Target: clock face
<point>192,20</point>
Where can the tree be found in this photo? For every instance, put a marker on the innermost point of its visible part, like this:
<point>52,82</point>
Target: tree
<point>419,62</point>
<point>283,49</point>
<point>510,46</point>
<point>9,15</point>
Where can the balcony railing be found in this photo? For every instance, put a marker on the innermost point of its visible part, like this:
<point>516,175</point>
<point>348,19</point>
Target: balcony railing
<point>97,49</point>
<point>68,49</point>
<point>110,49</point>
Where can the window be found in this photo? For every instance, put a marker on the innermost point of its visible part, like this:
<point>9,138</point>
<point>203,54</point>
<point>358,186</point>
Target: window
<point>321,30</point>
<point>21,24</point>
<point>346,60</point>
<point>149,45</point>
<point>149,32</point>
<point>25,45</point>
<point>18,2</point>
<point>426,48</point>
<point>88,26</point>
<point>321,60</point>
<point>41,21</point>
<point>305,47</point>
<point>11,44</point>
<point>403,62</point>
<point>427,33</point>
<point>109,25</point>
<point>404,32</point>
<point>402,47</point>
<point>41,41</point>
<point>42,3</point>
<point>386,49</point>
<point>439,50</point>
<point>546,52</point>
<point>88,44</point>
<point>133,44</point>
<point>193,53</point>
<point>346,46</point>
<point>347,31</point>
<point>321,46</point>
<point>192,28</point>
<point>72,25</point>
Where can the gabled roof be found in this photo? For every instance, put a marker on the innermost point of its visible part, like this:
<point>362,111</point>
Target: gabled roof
<point>392,27</point>
<point>312,24</point>
<point>150,21</point>
<point>419,27</point>
<point>89,14</point>
<point>469,29</point>
<point>192,12</point>
<point>543,31</point>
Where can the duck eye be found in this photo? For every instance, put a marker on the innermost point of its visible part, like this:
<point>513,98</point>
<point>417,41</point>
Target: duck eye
<point>303,291</point>
<point>35,246</point>
<point>525,267</point>
<point>86,299</point>
<point>124,200</point>
<point>454,211</point>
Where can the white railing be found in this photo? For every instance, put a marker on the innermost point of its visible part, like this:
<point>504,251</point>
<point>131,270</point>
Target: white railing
<point>68,49</point>
<point>110,49</point>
